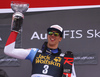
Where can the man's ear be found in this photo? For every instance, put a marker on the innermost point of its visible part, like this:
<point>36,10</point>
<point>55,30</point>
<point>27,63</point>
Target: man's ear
<point>60,39</point>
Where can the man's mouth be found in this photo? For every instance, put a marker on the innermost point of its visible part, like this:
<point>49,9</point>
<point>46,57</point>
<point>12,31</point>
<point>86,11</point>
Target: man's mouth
<point>52,39</point>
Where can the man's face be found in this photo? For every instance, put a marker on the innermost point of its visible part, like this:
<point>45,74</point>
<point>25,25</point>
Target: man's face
<point>54,40</point>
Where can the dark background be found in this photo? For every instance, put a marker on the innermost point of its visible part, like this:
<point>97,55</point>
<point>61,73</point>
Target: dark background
<point>70,20</point>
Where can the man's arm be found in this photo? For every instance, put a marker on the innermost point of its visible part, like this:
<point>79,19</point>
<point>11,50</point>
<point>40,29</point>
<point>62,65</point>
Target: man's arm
<point>9,49</point>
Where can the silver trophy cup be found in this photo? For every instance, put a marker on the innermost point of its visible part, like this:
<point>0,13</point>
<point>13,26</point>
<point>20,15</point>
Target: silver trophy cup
<point>18,6</point>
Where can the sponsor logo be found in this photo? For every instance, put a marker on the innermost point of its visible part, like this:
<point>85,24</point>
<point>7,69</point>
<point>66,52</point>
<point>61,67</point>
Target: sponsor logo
<point>57,59</point>
<point>68,60</point>
<point>67,70</point>
<point>10,59</point>
<point>71,34</point>
<point>84,58</point>
<point>46,60</point>
<point>39,36</point>
<point>93,33</point>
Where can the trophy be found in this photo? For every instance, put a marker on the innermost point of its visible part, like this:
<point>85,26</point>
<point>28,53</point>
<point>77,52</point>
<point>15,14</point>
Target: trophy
<point>19,8</point>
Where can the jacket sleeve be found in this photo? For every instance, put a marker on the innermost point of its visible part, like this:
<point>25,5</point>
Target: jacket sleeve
<point>10,50</point>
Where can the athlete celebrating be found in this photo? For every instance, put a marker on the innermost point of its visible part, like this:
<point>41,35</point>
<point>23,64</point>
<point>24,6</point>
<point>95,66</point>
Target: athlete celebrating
<point>47,62</point>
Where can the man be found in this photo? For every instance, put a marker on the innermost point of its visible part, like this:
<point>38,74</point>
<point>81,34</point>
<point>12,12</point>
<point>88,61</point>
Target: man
<point>47,62</point>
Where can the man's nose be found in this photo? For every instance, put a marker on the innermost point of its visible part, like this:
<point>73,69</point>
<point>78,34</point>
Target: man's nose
<point>53,34</point>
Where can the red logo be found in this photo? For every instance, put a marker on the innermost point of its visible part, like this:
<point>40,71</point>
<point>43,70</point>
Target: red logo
<point>68,60</point>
